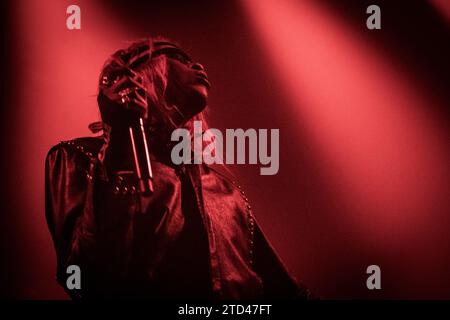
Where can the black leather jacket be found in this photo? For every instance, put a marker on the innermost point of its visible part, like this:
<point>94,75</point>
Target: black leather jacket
<point>195,237</point>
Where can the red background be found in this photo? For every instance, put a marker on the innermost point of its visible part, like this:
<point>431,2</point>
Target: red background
<point>363,118</point>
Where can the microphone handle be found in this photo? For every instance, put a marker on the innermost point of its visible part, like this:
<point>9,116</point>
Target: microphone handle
<point>141,158</point>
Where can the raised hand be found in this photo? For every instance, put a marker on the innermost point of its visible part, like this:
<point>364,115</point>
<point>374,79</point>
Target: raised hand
<point>122,97</point>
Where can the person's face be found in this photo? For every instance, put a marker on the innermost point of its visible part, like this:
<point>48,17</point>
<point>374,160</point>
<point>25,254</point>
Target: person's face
<point>188,83</point>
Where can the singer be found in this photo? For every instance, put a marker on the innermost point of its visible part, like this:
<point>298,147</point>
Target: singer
<point>193,235</point>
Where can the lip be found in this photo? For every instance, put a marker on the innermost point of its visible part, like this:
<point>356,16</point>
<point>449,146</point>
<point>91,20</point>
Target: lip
<point>203,78</point>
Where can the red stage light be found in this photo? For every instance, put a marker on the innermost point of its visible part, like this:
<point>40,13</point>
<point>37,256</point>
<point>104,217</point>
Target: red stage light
<point>385,153</point>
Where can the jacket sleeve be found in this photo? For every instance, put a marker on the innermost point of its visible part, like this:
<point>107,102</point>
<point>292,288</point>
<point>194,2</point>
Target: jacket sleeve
<point>70,221</point>
<point>277,282</point>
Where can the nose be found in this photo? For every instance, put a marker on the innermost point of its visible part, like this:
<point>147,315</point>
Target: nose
<point>197,66</point>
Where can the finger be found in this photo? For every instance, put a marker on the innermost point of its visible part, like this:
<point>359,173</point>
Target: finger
<point>138,84</point>
<point>136,95</point>
<point>125,81</point>
<point>137,105</point>
<point>128,96</point>
<point>141,95</point>
<point>128,84</point>
<point>121,84</point>
<point>134,92</point>
<point>124,99</point>
<point>135,76</point>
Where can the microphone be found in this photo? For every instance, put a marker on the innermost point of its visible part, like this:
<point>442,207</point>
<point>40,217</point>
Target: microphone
<point>141,156</point>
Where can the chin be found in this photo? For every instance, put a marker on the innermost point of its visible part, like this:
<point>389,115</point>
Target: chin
<point>199,97</point>
<point>200,89</point>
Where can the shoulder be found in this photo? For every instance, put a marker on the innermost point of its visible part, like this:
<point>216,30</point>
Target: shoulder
<point>87,147</point>
<point>73,155</point>
<point>73,159</point>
